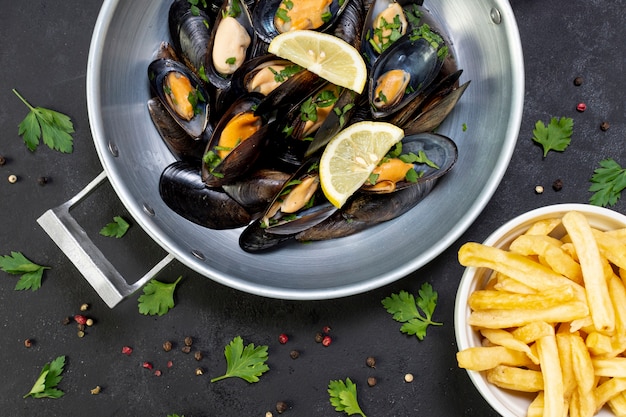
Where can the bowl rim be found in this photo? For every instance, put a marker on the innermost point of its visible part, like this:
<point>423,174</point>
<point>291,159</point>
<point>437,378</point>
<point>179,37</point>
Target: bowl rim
<point>501,237</point>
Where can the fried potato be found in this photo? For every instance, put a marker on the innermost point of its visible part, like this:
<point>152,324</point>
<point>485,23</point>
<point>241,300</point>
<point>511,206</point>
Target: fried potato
<point>596,286</point>
<point>553,317</point>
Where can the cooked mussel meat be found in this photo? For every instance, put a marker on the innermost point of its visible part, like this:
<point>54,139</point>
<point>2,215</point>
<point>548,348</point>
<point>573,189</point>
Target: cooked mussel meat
<point>182,93</point>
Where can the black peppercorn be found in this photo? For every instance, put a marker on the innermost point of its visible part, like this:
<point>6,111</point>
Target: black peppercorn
<point>42,180</point>
<point>578,81</point>
<point>294,354</point>
<point>557,185</point>
<point>281,407</point>
<point>604,126</point>
<point>188,341</point>
<point>198,355</point>
<point>371,381</point>
<point>3,160</point>
<point>186,349</point>
<point>319,337</point>
<point>167,346</point>
<point>371,362</point>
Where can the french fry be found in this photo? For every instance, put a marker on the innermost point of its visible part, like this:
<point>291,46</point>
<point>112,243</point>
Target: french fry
<point>535,409</point>
<point>503,338</point>
<point>611,367</point>
<point>549,250</point>
<point>618,405</point>
<point>486,299</point>
<point>596,287</point>
<point>514,265</point>
<point>507,284</point>
<point>483,358</point>
<point>543,227</point>
<point>607,390</point>
<point>532,331</point>
<point>582,364</point>
<point>567,364</point>
<point>612,248</point>
<point>554,405</point>
<point>599,344</point>
<point>517,379</point>
<point>502,319</point>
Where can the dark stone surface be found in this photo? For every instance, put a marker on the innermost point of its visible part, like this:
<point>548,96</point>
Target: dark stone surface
<point>44,56</point>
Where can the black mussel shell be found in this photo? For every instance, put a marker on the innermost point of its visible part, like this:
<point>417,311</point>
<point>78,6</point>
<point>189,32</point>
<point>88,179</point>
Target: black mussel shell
<point>256,191</point>
<point>183,191</point>
<point>190,33</point>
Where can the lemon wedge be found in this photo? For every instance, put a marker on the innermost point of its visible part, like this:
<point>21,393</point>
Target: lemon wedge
<point>325,55</point>
<point>351,156</point>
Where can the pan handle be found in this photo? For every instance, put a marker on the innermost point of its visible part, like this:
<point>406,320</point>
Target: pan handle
<point>110,285</point>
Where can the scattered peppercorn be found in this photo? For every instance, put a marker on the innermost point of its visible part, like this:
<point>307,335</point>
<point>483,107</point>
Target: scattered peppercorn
<point>147,365</point>
<point>557,185</point>
<point>581,107</point>
<point>67,320</point>
<point>12,178</point>
<point>326,341</point>
<point>326,329</point>
<point>371,381</point>
<point>186,349</point>
<point>3,160</point>
<point>604,126</point>
<point>96,390</point>
<point>371,362</point>
<point>81,327</point>
<point>199,371</point>
<point>89,322</point>
<point>408,378</point>
<point>188,341</point>
<point>84,307</point>
<point>170,364</point>
<point>43,181</point>
<point>157,372</point>
<point>28,343</point>
<point>578,81</point>
<point>167,346</point>
<point>319,337</point>
<point>281,407</point>
<point>197,355</point>
<point>80,319</point>
<point>81,333</point>
<point>269,414</point>
<point>127,350</point>
<point>294,354</point>
<point>538,189</point>
<point>283,338</point>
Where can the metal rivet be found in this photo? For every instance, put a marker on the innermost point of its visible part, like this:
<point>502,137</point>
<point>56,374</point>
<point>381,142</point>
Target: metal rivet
<point>198,254</point>
<point>148,210</point>
<point>495,15</point>
<point>113,149</point>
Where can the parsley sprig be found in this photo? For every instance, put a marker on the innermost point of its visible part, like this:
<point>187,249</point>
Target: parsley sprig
<point>556,136</point>
<point>18,264</point>
<point>404,308</point>
<point>117,228</point>
<point>53,127</point>
<point>608,182</point>
<point>157,297</point>
<point>48,379</point>
<point>344,398</point>
<point>247,363</point>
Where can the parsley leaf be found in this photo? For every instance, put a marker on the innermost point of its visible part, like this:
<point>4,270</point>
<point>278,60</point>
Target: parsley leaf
<point>343,397</point>
<point>556,136</point>
<point>246,363</point>
<point>608,182</point>
<point>18,264</point>
<point>53,127</point>
<point>117,228</point>
<point>404,309</point>
<point>49,378</point>
<point>157,297</point>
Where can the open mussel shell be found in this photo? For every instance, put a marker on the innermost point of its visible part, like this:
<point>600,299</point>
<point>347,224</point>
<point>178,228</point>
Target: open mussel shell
<point>257,190</point>
<point>254,239</point>
<point>439,149</point>
<point>242,157</point>
<point>175,137</point>
<point>231,43</point>
<point>158,70</point>
<point>183,191</point>
<point>190,33</point>
<point>264,13</point>
<point>415,58</point>
<point>299,204</point>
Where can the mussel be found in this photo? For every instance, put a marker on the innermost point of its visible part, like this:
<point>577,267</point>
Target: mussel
<point>190,33</point>
<point>182,93</point>
<point>257,190</point>
<point>183,191</point>
<point>271,17</point>
<point>230,43</point>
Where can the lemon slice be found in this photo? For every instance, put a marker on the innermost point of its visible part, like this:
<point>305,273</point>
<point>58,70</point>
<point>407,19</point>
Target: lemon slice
<point>352,154</point>
<point>325,55</point>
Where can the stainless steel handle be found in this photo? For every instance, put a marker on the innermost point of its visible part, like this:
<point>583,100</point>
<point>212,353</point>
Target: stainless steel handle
<point>72,239</point>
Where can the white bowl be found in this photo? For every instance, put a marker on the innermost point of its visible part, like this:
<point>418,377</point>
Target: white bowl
<point>505,402</point>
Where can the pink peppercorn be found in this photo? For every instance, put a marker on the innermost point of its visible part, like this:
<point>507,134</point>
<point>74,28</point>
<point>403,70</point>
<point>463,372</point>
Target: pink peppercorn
<point>127,350</point>
<point>326,341</point>
<point>170,364</point>
<point>326,329</point>
<point>80,319</point>
<point>147,365</point>
<point>157,372</point>
<point>283,338</point>
<point>581,107</point>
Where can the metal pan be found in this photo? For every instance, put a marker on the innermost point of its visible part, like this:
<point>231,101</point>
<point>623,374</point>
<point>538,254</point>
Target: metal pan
<point>485,126</point>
